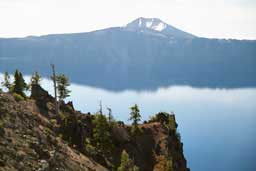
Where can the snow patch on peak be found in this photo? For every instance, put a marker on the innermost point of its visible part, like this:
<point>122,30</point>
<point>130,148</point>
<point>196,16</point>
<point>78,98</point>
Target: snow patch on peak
<point>148,23</point>
<point>159,27</point>
<point>156,26</point>
<point>140,22</point>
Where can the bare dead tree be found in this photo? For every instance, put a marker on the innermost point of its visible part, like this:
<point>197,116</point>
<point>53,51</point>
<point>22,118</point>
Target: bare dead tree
<point>55,88</point>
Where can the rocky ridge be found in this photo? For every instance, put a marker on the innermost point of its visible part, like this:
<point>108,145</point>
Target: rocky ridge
<point>33,137</point>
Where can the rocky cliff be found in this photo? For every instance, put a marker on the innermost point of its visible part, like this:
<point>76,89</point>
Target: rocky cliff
<point>33,137</point>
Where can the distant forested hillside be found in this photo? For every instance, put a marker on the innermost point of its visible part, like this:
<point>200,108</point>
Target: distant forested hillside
<point>119,58</point>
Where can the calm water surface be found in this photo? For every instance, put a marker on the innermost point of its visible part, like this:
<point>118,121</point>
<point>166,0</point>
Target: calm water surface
<point>217,126</point>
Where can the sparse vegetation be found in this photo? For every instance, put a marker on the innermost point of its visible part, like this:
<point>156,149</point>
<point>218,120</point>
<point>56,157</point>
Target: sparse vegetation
<point>126,163</point>
<point>18,97</point>
<point>97,136</point>
<point>53,122</point>
<point>90,149</point>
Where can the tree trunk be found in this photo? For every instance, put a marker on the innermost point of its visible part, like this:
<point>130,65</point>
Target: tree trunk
<point>55,89</point>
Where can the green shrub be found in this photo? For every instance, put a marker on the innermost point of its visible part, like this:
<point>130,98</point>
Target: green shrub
<point>62,116</point>
<point>60,136</point>
<point>53,121</point>
<point>90,149</point>
<point>126,163</point>
<point>1,123</point>
<point>18,97</point>
<point>69,108</point>
<point>169,165</point>
<point>48,131</point>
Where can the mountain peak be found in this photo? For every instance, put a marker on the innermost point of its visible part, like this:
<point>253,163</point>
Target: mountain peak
<point>156,25</point>
<point>148,23</point>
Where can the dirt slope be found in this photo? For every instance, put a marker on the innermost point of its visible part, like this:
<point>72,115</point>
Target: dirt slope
<point>27,141</point>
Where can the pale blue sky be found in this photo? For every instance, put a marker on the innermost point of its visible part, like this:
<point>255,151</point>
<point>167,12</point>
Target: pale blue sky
<point>205,18</point>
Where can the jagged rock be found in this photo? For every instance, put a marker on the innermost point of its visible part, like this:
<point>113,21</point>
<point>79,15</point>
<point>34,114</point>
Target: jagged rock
<point>39,94</point>
<point>121,134</point>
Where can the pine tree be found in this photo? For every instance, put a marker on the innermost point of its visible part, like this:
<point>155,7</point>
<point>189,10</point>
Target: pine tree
<point>101,134</point>
<point>126,163</point>
<point>100,108</point>
<point>62,84</point>
<point>19,85</point>
<point>7,81</point>
<point>135,117</point>
<point>35,79</point>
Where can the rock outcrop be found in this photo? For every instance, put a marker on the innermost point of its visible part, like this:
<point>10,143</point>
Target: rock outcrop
<point>33,137</point>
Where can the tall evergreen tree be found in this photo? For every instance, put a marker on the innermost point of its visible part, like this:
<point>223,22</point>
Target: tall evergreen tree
<point>135,115</point>
<point>19,85</point>
<point>135,118</point>
<point>62,84</point>
<point>7,81</point>
<point>101,133</point>
<point>100,108</point>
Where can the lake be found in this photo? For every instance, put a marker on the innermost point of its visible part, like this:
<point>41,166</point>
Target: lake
<point>217,126</point>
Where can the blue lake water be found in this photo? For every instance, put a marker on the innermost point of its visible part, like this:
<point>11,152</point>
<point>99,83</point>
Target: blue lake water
<point>217,126</point>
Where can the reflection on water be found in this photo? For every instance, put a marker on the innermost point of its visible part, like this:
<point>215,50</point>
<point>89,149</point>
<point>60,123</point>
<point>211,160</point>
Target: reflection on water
<point>218,126</point>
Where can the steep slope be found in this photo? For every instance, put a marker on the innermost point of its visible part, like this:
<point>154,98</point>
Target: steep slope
<point>28,141</point>
<point>32,137</point>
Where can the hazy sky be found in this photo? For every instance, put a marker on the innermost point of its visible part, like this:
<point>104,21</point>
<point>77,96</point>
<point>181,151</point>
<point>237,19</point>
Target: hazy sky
<point>206,18</point>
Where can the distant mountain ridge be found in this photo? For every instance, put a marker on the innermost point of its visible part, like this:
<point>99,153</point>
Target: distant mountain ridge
<point>145,54</point>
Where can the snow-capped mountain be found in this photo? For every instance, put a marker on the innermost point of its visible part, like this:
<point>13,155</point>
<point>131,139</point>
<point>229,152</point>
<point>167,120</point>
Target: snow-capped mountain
<point>156,26</point>
<point>145,54</point>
